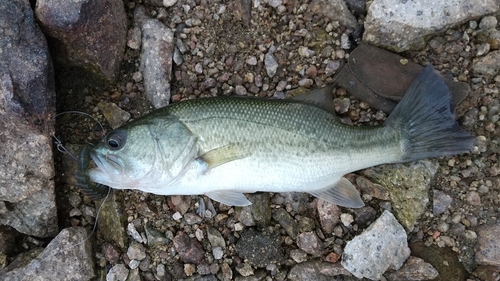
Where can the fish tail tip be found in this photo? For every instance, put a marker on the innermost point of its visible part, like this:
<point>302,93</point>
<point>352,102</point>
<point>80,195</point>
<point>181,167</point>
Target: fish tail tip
<point>425,116</point>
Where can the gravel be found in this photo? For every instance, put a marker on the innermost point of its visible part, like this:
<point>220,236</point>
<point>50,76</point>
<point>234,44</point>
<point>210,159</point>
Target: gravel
<point>220,50</point>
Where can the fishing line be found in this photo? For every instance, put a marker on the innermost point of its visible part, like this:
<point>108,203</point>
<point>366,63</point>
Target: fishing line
<point>59,145</point>
<point>35,265</point>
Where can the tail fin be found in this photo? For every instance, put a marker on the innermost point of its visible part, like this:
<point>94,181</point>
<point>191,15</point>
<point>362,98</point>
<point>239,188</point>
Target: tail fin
<point>425,116</point>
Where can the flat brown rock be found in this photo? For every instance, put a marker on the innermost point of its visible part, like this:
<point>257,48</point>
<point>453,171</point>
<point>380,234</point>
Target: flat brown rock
<point>381,78</point>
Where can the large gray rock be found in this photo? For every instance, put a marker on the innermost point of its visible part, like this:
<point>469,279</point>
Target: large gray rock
<point>156,58</point>
<point>406,25</point>
<point>27,107</point>
<point>380,247</point>
<point>68,257</point>
<point>88,34</point>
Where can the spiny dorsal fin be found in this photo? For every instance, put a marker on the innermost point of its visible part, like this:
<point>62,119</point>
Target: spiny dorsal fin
<point>321,98</point>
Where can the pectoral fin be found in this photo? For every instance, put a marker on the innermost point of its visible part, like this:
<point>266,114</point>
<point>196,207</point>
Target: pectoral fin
<point>342,193</point>
<point>229,197</point>
<point>222,155</point>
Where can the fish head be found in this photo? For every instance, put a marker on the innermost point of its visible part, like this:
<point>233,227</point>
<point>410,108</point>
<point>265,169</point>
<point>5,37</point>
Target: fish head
<point>143,155</point>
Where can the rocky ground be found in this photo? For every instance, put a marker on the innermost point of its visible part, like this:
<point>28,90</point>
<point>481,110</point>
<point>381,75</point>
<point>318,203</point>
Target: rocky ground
<point>446,223</point>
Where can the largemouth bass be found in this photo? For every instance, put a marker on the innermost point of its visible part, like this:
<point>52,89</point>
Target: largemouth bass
<point>226,146</point>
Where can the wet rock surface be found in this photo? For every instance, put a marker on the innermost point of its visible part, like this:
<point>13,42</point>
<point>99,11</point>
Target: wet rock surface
<point>279,49</point>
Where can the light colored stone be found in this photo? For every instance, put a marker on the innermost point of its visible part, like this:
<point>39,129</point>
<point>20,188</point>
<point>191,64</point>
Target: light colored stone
<point>156,58</point>
<point>380,247</point>
<point>406,25</point>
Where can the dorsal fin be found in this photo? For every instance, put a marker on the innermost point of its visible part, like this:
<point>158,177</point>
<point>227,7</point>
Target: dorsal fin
<point>321,98</point>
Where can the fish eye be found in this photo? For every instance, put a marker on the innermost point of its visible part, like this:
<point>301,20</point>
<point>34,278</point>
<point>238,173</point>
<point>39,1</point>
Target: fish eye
<point>116,139</point>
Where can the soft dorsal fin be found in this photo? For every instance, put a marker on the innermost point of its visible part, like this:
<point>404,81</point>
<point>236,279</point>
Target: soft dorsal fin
<point>321,98</point>
<point>342,193</point>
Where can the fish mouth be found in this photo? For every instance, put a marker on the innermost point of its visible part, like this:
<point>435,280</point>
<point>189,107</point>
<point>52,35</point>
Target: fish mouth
<point>107,163</point>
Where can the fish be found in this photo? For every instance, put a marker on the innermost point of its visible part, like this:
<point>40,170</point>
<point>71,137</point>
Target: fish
<point>92,190</point>
<point>223,147</point>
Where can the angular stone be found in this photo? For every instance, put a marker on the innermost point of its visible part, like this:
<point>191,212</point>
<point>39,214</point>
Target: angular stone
<point>316,270</point>
<point>373,189</point>
<point>136,251</point>
<point>336,10</point>
<point>118,272</point>
<point>414,269</point>
<point>271,64</point>
<point>329,215</point>
<point>487,273</point>
<point>156,58</point>
<point>408,185</point>
<point>370,72</point>
<point>406,25</point>
<point>488,245</point>
<point>190,250</point>
<point>88,34</point>
<point>488,65</point>
<point>27,106</point>
<point>441,202</point>
<point>115,115</point>
<point>287,222</point>
<point>260,248</point>
<point>113,220</point>
<point>444,260</point>
<point>155,238</point>
<point>380,247</point>
<point>69,257</point>
<point>310,243</point>
<point>260,208</point>
<point>215,237</point>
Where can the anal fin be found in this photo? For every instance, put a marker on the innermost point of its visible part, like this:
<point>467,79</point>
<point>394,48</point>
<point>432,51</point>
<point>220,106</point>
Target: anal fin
<point>342,193</point>
<point>229,197</point>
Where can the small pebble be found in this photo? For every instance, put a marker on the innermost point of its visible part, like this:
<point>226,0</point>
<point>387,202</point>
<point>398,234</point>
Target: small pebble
<point>189,269</point>
<point>251,60</point>
<point>136,251</point>
<point>218,252</point>
<point>471,235</point>
<point>133,264</point>
<point>298,255</point>
<point>473,198</point>
<point>177,216</point>
<point>346,219</point>
<point>160,270</point>
<point>488,22</point>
